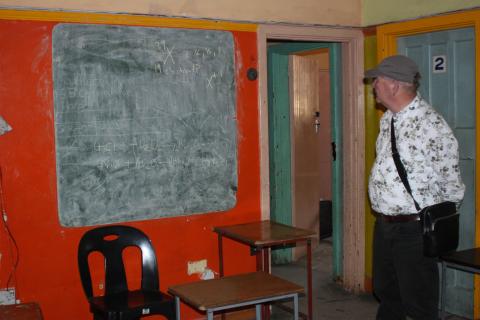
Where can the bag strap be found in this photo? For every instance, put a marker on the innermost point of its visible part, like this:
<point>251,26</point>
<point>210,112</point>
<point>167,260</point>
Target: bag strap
<point>398,163</point>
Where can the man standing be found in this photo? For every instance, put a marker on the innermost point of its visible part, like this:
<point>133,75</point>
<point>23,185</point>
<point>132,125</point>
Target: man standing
<point>404,280</point>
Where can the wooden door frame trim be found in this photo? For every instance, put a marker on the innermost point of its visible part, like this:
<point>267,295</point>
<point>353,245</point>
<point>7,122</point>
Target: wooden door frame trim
<point>387,45</point>
<point>353,136</point>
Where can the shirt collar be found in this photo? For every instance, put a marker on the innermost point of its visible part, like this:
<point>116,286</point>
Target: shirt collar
<point>408,108</point>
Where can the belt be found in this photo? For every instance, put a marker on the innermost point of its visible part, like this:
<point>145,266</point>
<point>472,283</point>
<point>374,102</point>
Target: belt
<point>399,218</point>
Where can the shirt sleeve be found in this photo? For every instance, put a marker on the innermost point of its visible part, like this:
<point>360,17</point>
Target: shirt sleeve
<point>442,152</point>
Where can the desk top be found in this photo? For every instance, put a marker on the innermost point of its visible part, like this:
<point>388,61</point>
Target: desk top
<point>469,258</point>
<point>264,233</point>
<point>209,294</point>
<point>23,311</point>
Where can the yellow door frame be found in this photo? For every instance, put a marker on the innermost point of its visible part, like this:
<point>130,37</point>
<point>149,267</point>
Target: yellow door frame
<point>387,45</point>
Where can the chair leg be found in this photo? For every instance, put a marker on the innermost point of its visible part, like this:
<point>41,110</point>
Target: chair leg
<point>443,293</point>
<point>176,309</point>
<point>97,317</point>
<point>172,312</point>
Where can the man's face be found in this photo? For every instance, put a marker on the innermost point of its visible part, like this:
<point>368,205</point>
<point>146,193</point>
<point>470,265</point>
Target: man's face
<point>383,90</point>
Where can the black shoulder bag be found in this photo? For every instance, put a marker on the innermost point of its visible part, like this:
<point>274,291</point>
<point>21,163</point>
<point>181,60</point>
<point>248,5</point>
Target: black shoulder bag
<point>440,222</point>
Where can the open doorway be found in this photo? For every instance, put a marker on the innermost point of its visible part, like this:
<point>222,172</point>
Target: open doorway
<point>304,104</point>
<point>351,264</point>
<point>300,132</point>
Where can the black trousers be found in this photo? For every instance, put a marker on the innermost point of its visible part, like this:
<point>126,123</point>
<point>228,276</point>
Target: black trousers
<point>404,280</point>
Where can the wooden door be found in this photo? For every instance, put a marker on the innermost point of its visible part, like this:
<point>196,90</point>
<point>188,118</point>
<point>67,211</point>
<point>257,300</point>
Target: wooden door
<point>311,139</point>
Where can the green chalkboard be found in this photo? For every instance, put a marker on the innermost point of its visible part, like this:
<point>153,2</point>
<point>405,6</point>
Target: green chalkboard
<point>145,122</point>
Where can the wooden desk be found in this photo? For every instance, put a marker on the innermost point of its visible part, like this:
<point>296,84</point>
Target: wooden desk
<point>235,291</point>
<point>464,260</point>
<point>261,236</point>
<point>22,311</point>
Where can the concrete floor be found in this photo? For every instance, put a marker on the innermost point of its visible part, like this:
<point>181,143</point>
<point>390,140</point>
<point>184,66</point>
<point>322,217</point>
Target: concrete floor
<point>330,301</point>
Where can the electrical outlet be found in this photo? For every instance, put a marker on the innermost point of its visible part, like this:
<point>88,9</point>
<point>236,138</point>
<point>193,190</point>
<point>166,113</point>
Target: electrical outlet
<point>196,266</point>
<point>7,296</point>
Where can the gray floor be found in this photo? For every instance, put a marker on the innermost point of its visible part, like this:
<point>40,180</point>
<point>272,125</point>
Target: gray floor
<point>330,301</point>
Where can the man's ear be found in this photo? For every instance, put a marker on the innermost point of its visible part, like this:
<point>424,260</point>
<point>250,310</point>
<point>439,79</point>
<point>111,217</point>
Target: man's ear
<point>395,86</point>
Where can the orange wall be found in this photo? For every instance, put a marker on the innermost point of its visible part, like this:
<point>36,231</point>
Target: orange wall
<point>47,269</point>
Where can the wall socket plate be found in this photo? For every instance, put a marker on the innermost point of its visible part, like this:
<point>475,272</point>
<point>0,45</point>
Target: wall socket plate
<point>7,296</point>
<point>196,266</point>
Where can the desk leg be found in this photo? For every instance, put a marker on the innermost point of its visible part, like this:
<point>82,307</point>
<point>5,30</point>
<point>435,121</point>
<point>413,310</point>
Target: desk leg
<point>309,279</point>
<point>209,315</point>
<point>266,268</point>
<point>295,306</point>
<point>220,266</point>
<point>177,307</point>
<point>220,255</point>
<point>260,267</point>
<point>259,257</point>
<point>266,260</point>
<point>258,311</point>
<point>443,293</point>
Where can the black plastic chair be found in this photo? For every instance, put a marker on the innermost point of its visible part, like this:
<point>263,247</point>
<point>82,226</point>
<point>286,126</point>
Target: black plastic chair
<point>119,303</point>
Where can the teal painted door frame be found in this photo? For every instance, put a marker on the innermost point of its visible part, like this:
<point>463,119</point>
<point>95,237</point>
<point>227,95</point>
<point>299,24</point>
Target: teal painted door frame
<point>280,142</point>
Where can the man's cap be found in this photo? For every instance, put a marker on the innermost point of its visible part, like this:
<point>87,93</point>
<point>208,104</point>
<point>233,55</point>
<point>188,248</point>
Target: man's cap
<point>396,67</point>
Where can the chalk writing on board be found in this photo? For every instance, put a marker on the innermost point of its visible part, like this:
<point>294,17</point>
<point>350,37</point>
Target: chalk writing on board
<point>145,122</point>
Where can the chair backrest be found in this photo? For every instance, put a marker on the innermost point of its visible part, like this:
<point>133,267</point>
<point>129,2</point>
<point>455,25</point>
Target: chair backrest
<point>110,241</point>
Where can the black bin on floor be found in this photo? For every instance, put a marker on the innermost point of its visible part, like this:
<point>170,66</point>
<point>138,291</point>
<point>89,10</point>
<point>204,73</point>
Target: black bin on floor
<point>325,219</point>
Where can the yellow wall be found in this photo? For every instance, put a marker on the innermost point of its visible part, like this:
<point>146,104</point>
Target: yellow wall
<point>324,12</point>
<point>382,11</point>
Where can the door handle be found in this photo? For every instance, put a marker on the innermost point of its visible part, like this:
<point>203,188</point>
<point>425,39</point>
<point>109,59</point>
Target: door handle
<point>334,151</point>
<point>317,121</point>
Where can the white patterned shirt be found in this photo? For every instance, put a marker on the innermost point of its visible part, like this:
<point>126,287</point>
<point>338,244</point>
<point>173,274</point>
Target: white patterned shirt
<point>429,152</point>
